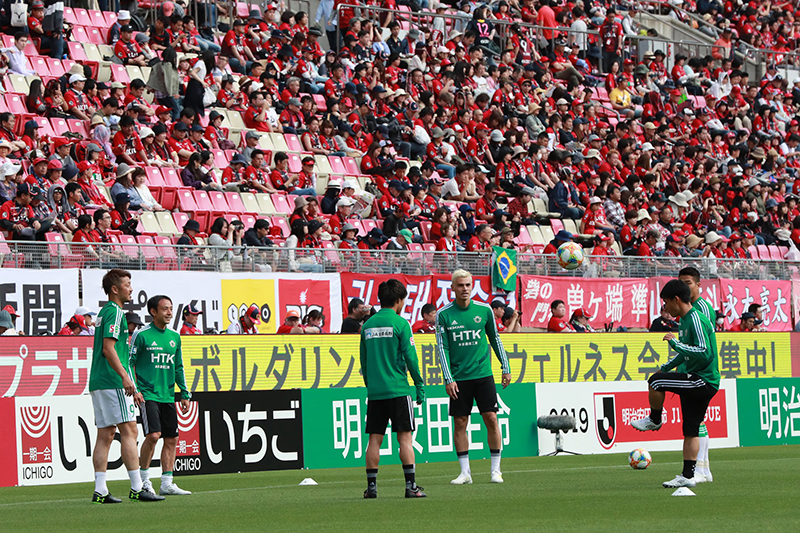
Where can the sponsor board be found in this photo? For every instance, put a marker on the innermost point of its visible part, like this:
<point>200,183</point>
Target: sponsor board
<point>55,438</point>
<point>8,432</point>
<point>603,414</point>
<point>769,411</point>
<point>334,424</point>
<point>43,303</point>
<point>45,366</point>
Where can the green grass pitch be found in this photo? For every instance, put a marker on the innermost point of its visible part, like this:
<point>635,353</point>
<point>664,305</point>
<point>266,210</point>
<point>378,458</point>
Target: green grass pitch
<point>754,490</point>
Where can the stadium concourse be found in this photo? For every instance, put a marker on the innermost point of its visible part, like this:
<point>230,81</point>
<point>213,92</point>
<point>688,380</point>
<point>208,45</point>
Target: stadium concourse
<point>522,125</point>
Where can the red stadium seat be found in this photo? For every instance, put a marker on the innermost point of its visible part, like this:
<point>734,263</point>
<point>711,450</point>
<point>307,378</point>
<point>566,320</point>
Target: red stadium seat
<point>97,19</point>
<point>55,67</point>
<point>16,104</point>
<point>167,251</point>
<point>337,165</point>
<point>39,65</point>
<point>187,204</point>
<point>69,16</point>
<point>368,224</point>
<point>319,99</point>
<point>76,51</point>
<point>78,126</point>
<point>204,204</point>
<point>293,142</point>
<point>111,17</point>
<point>59,126</point>
<point>556,224</point>
<point>219,202</point>
<point>10,259</point>
<point>180,219</point>
<point>235,203</point>
<point>80,35</point>
<point>118,73</point>
<point>295,163</point>
<point>281,203</point>
<point>151,254</point>
<point>82,16</point>
<point>220,159</point>
<point>60,254</point>
<point>44,126</point>
<point>425,228</point>
<point>248,220</point>
<point>351,166</point>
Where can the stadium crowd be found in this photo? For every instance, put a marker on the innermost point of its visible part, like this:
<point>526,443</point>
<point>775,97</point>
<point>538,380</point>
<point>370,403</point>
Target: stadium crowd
<point>464,132</point>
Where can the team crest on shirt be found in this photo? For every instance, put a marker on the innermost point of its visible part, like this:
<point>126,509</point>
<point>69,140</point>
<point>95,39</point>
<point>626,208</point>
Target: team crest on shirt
<point>477,319</point>
<point>172,344</point>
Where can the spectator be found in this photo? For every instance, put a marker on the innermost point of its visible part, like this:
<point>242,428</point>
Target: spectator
<point>428,322</point>
<point>664,323</point>
<point>190,316</point>
<point>499,309</point>
<point>134,322</point>
<point>747,323</point>
<point>75,326</point>
<point>291,324</point>
<point>564,197</point>
<point>560,238</point>
<point>557,323</point>
<point>6,325</point>
<point>511,320</point>
<point>647,247</point>
<point>312,322</point>
<point>121,217</point>
<point>16,58</point>
<point>76,101</point>
<point>126,50</point>
<point>247,324</point>
<point>757,311</point>
<point>357,313</point>
<point>17,218</point>
<point>88,317</point>
<point>580,322</point>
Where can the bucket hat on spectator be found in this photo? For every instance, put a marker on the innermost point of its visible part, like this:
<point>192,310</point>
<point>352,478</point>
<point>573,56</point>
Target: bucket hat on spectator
<point>191,225</point>
<point>563,236</point>
<point>123,170</point>
<point>5,320</point>
<point>406,234</point>
<point>642,214</point>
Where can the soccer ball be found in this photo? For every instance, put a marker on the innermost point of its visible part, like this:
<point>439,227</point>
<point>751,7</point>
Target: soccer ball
<point>639,459</point>
<point>570,255</point>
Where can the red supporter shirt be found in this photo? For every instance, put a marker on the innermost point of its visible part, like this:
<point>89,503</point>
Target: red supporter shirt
<point>558,325</point>
<point>127,51</point>
<point>423,326</point>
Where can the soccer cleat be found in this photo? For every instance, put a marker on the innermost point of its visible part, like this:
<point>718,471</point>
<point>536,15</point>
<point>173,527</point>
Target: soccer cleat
<point>147,485</point>
<point>497,476</point>
<point>699,478</point>
<point>709,477</point>
<point>416,492</point>
<point>172,490</point>
<point>464,478</point>
<point>646,424</point>
<point>679,481</point>
<point>144,496</point>
<point>371,492</point>
<point>108,498</point>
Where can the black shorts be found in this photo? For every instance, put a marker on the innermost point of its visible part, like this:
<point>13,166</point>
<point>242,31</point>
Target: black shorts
<point>161,418</point>
<point>399,410</point>
<point>695,395</point>
<point>480,391</point>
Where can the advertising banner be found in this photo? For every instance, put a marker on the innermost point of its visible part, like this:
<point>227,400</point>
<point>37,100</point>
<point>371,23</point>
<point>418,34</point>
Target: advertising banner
<point>45,366</point>
<point>307,292</point>
<point>55,438</point>
<point>8,433</point>
<point>44,301</point>
<point>623,301</point>
<point>239,294</point>
<point>201,289</point>
<point>736,295</point>
<point>709,289</point>
<point>769,411</point>
<point>604,411</point>
<point>241,432</point>
<point>334,424</point>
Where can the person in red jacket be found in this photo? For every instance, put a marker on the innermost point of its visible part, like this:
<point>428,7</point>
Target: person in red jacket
<point>17,218</point>
<point>75,326</point>
<point>558,323</point>
<point>190,316</point>
<point>646,248</point>
<point>428,322</point>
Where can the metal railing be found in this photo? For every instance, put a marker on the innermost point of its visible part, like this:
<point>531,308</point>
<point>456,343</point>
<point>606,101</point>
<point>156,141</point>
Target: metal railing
<point>21,254</point>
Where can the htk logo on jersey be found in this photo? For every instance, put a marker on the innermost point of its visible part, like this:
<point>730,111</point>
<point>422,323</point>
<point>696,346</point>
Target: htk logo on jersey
<point>606,419</point>
<point>188,430</point>
<point>37,446</point>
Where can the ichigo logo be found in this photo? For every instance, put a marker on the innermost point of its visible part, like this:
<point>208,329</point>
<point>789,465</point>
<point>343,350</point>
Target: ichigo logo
<point>606,419</point>
<point>37,446</point>
<point>188,430</point>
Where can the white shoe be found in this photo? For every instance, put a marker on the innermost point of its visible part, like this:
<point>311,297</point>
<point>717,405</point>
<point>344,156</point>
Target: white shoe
<point>646,424</point>
<point>172,490</point>
<point>679,481</point>
<point>709,477</point>
<point>464,478</point>
<point>699,478</point>
<point>497,476</point>
<point>148,486</point>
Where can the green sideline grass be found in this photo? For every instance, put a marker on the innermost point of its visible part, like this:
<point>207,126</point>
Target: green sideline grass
<point>754,490</point>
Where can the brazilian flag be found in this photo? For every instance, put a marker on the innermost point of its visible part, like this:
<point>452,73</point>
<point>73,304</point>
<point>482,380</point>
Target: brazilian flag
<point>504,268</point>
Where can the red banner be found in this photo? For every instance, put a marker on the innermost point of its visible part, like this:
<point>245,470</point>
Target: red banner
<point>481,291</point>
<point>709,289</point>
<point>8,443</point>
<point>45,366</point>
<point>775,298</point>
<point>623,301</point>
<point>304,296</point>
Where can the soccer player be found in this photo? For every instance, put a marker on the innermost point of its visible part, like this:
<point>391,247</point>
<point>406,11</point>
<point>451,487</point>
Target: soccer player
<point>696,347</point>
<point>113,391</point>
<point>691,277</point>
<point>462,328</point>
<point>157,364</point>
<point>387,353</point>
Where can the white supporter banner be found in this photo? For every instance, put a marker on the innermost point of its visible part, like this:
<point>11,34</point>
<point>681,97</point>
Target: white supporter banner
<point>44,299</point>
<point>55,440</point>
<point>604,411</point>
<point>201,289</point>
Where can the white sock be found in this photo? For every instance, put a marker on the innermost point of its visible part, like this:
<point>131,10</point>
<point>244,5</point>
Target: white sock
<point>145,473</point>
<point>463,461</point>
<point>495,457</point>
<point>166,479</point>
<point>100,483</point>
<point>136,480</point>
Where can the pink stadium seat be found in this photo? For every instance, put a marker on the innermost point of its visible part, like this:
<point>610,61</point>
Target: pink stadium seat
<point>82,16</point>
<point>151,253</point>
<point>171,177</point>
<point>368,224</point>
<point>76,51</point>
<point>69,16</point>
<point>59,126</point>
<point>331,254</point>
<point>337,165</point>
<point>118,73</point>
<point>60,253</point>
<point>763,251</point>
<point>220,159</point>
<point>39,64</point>
<point>78,126</point>
<point>281,203</point>
<point>55,67</point>
<point>80,35</point>
<point>319,99</point>
<point>10,259</point>
<point>219,201</point>
<point>204,204</point>
<point>180,219</point>
<point>293,142</point>
<point>425,229</point>
<point>524,238</point>
<point>111,18</point>
<point>295,163</point>
<point>16,104</point>
<point>97,19</point>
<point>248,220</point>
<point>95,36</point>
<point>235,203</point>
<point>556,224</point>
<point>44,126</point>
<point>167,252</point>
<point>753,252</point>
<point>283,224</point>
<point>351,166</point>
<point>187,204</point>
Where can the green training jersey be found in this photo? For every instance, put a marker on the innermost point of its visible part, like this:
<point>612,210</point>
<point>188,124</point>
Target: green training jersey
<point>157,363</point>
<point>705,308</point>
<point>387,353</point>
<point>463,338</point>
<point>111,324</point>
<point>696,346</point>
